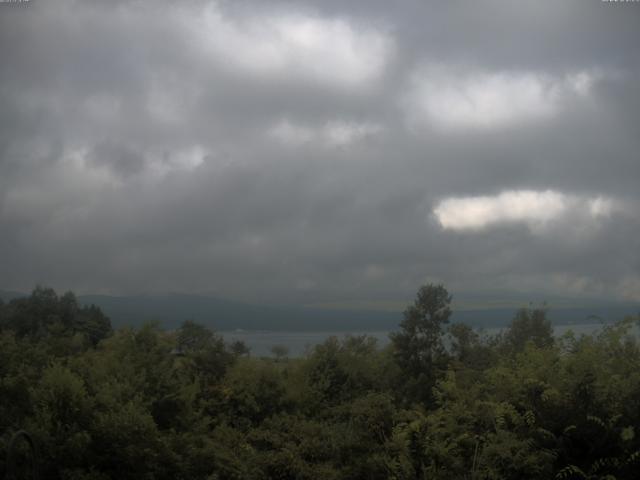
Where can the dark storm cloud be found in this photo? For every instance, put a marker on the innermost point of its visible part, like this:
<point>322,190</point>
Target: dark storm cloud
<point>298,152</point>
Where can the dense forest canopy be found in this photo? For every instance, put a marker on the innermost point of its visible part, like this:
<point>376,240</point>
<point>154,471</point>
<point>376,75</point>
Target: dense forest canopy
<point>441,401</point>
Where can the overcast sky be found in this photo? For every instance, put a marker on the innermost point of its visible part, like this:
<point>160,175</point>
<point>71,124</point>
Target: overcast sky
<point>320,151</point>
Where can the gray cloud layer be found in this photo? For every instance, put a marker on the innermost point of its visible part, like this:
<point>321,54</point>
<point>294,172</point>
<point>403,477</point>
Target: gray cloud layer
<point>299,152</point>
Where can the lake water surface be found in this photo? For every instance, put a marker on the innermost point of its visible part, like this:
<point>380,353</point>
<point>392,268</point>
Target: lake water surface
<point>298,343</point>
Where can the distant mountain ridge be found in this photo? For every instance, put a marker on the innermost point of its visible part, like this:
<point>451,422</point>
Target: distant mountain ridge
<point>220,314</point>
<point>172,309</point>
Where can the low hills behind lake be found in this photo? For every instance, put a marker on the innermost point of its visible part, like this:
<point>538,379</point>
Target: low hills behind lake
<point>172,309</point>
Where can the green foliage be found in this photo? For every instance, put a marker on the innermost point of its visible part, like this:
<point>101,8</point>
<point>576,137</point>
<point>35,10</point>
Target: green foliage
<point>45,315</point>
<point>529,325</point>
<point>339,370</point>
<point>252,391</point>
<point>150,404</point>
<point>418,347</point>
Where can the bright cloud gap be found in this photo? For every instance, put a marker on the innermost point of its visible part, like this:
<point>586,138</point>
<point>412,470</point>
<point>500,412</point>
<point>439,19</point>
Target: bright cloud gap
<point>530,207</point>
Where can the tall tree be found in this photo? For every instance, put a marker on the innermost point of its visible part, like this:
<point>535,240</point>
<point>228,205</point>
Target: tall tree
<point>529,325</point>
<point>418,347</point>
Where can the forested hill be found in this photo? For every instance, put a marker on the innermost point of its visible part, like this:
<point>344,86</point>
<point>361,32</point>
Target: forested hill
<point>171,310</point>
